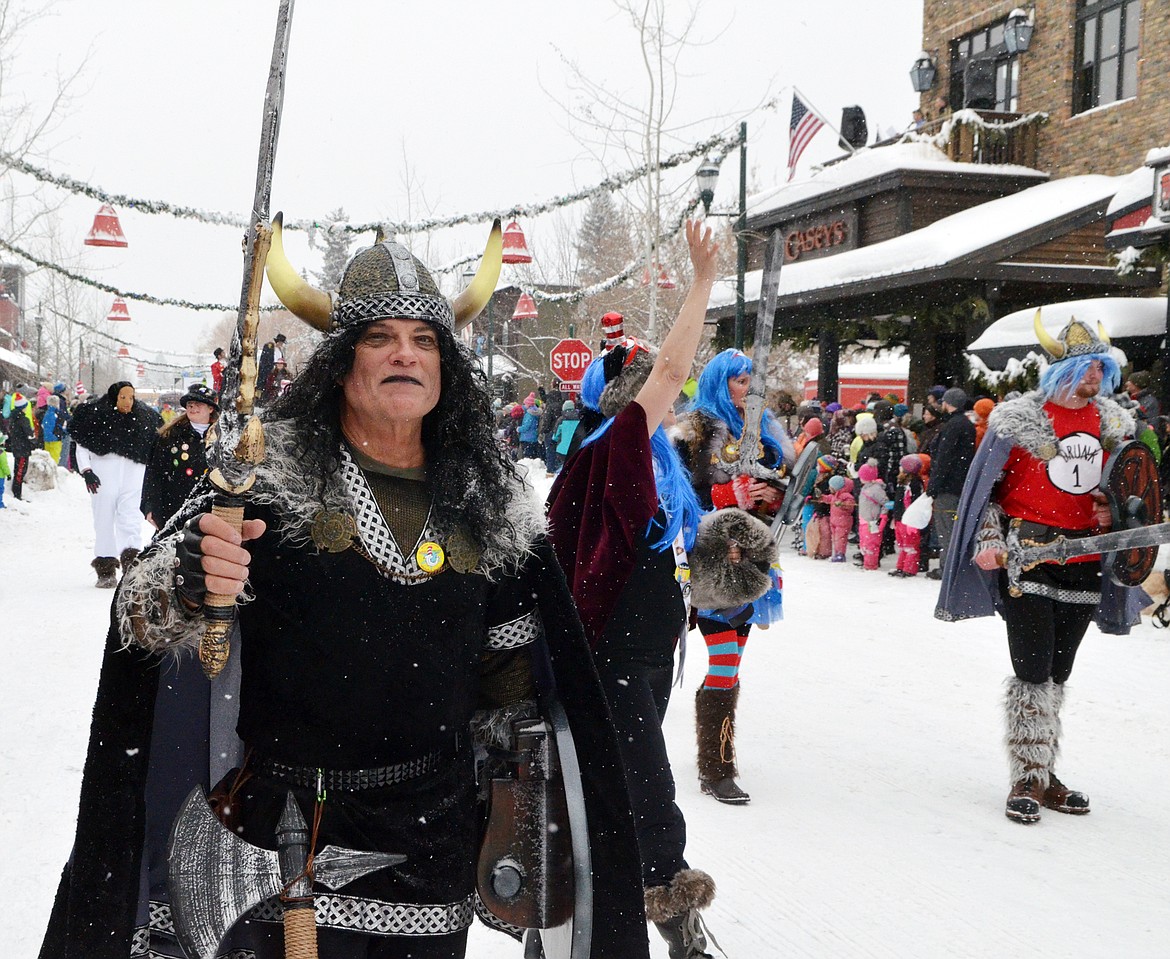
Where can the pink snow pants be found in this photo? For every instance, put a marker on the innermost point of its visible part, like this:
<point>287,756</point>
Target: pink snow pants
<point>871,543</point>
<point>906,539</point>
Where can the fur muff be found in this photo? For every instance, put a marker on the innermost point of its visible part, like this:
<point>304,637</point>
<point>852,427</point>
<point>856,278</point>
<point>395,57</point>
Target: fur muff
<point>621,391</point>
<point>1032,729</point>
<point>688,889</point>
<point>718,583</point>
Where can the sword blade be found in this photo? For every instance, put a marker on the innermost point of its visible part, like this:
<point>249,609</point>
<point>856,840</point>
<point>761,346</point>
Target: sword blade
<point>1061,548</point>
<point>753,413</point>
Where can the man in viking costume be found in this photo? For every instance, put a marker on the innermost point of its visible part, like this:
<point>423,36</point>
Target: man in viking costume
<point>400,604</point>
<point>1040,464</point>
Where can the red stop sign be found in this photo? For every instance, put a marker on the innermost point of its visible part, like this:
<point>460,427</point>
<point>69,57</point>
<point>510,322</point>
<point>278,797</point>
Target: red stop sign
<point>569,360</point>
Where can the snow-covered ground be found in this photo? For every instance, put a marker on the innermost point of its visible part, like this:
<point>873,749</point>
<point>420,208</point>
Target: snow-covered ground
<point>869,740</point>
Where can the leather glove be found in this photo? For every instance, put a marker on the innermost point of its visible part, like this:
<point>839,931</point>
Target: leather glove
<point>92,483</point>
<point>190,584</point>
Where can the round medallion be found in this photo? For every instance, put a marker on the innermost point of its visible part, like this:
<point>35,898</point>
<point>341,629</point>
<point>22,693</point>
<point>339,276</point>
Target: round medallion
<point>462,552</point>
<point>430,557</point>
<point>186,447</point>
<point>190,472</point>
<point>333,531</point>
<point>184,456</point>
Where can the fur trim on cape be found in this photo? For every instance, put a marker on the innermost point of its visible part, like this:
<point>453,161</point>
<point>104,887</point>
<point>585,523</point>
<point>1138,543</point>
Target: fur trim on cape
<point>622,390</point>
<point>716,582</point>
<point>704,438</point>
<point>1025,423</point>
<point>689,889</point>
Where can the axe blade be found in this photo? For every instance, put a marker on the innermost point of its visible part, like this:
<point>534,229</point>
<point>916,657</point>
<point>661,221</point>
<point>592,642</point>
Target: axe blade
<point>335,867</point>
<point>215,877</point>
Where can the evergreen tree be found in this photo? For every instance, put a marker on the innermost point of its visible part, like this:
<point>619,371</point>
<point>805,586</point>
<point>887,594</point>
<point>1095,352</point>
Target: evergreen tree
<point>336,242</point>
<point>604,246</point>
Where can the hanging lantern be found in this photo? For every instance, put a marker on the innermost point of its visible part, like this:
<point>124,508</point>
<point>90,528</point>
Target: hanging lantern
<point>664,280</point>
<point>141,371</point>
<point>118,311</point>
<point>525,308</point>
<point>106,230</point>
<point>123,351</point>
<point>515,249</point>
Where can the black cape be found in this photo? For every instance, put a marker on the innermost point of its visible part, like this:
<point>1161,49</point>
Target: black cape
<point>101,429</point>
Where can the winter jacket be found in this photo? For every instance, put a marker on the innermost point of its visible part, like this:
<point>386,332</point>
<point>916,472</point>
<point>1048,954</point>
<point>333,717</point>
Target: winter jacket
<point>952,454</point>
<point>564,430</point>
<point>888,450</point>
<point>871,501</point>
<point>530,425</point>
<point>841,507</point>
<point>50,425</point>
<point>21,435</point>
<point>177,463</point>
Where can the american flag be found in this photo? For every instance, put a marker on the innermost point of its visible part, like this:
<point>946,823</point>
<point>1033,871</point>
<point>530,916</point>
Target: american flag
<point>803,127</point>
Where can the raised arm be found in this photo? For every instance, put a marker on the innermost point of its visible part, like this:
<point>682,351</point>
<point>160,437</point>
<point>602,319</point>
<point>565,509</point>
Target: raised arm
<point>673,365</point>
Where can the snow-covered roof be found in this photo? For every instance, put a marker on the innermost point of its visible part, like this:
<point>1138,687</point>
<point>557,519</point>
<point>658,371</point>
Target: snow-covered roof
<point>502,364</point>
<point>1136,191</point>
<point>896,369</point>
<point>1120,315</point>
<point>945,242</point>
<point>870,163</point>
<point>17,359</point>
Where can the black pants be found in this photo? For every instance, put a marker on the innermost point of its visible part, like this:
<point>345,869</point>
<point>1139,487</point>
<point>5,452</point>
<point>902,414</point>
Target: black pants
<point>1043,633</point>
<point>20,468</point>
<point>638,696</point>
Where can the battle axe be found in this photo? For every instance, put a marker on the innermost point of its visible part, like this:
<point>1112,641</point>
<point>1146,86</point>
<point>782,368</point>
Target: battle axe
<point>215,877</point>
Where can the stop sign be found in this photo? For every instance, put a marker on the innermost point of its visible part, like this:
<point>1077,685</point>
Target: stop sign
<point>569,360</point>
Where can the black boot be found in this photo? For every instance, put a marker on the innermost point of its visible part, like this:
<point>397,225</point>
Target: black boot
<point>715,732</point>
<point>674,910</point>
<point>129,554</point>
<point>107,571</point>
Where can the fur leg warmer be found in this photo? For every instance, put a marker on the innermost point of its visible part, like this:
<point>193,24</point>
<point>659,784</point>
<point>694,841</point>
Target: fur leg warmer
<point>715,732</point>
<point>1032,729</point>
<point>107,571</point>
<point>689,889</point>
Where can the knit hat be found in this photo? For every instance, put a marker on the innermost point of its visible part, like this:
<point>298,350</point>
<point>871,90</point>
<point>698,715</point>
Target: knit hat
<point>937,392</point>
<point>19,400</point>
<point>956,397</point>
<point>530,399</point>
<point>836,483</point>
<point>901,409</point>
<point>832,407</point>
<point>984,407</point>
<point>54,401</point>
<point>924,459</point>
<point>814,427</point>
<point>516,412</point>
<point>910,463</point>
<point>868,473</point>
<point>826,463</point>
<point>568,406</point>
<point>1140,379</point>
<point>200,393</point>
<point>866,425</point>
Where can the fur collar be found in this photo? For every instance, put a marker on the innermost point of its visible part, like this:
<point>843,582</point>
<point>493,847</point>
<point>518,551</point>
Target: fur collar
<point>1024,422</point>
<point>284,486</point>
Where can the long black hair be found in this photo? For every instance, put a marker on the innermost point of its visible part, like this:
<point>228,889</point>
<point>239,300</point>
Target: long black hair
<point>472,480</point>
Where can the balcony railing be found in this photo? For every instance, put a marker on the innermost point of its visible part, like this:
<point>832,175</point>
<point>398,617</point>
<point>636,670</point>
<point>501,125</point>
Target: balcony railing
<point>987,136</point>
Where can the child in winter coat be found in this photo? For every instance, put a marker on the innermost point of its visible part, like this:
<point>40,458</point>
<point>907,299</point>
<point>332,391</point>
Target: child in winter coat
<point>818,535</point>
<point>841,506</point>
<point>906,537</point>
<point>872,515</point>
<point>816,478</point>
<point>564,429</point>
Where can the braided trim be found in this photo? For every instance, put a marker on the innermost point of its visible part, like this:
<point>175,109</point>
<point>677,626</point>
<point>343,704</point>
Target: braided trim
<point>396,305</point>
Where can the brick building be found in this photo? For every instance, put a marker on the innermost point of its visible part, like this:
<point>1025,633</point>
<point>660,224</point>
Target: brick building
<point>999,202</point>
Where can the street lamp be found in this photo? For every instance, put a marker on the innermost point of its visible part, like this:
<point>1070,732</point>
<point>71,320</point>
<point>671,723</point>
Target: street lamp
<point>707,175</point>
<point>923,72</point>
<point>1017,32</point>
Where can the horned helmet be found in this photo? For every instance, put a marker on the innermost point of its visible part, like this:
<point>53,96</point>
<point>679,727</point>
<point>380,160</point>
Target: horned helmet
<point>383,281</point>
<point>1076,339</point>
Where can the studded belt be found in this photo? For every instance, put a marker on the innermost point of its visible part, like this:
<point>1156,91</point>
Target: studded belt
<point>350,780</point>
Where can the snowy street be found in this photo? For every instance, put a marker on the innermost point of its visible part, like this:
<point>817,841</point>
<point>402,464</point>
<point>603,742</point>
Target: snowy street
<point>869,739</point>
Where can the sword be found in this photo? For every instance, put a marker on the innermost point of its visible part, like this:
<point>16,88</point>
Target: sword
<point>1024,556</point>
<point>753,412</point>
<point>236,441</point>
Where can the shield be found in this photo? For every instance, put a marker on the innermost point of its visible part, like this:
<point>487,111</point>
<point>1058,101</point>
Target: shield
<point>1130,484</point>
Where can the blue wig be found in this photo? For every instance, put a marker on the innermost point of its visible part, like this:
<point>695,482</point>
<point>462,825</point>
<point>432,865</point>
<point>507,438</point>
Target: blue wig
<point>1064,375</point>
<point>676,495</point>
<point>713,398</point>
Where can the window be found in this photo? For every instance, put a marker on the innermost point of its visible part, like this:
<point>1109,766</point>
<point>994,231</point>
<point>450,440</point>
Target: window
<point>1107,52</point>
<point>993,81</point>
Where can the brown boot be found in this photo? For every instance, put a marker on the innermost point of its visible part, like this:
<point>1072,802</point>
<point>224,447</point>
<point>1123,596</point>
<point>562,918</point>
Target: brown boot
<point>1024,801</point>
<point>1030,737</point>
<point>715,732</point>
<point>107,571</point>
<point>1059,797</point>
<point>129,554</point>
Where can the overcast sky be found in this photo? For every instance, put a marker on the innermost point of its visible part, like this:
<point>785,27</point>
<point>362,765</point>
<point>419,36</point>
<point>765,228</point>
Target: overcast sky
<point>400,111</point>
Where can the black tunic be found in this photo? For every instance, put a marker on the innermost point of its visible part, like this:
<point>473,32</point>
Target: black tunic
<point>177,462</point>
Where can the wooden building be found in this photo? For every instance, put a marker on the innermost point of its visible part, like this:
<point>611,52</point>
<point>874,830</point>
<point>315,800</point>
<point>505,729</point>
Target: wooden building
<point>997,203</point>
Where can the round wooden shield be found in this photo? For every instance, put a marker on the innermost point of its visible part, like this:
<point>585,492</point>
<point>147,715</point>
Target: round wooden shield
<point>1130,483</point>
